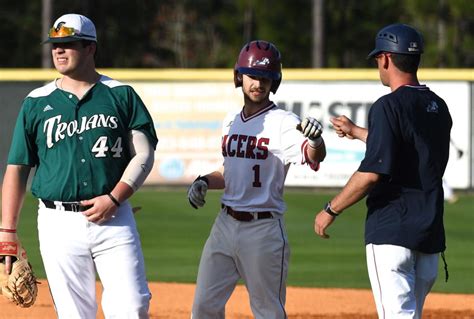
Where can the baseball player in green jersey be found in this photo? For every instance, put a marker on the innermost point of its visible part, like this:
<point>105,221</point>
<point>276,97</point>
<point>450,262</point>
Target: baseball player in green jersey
<point>91,140</point>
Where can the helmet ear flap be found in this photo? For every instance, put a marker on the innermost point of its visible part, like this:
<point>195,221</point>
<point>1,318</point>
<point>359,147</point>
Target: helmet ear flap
<point>237,79</point>
<point>275,85</point>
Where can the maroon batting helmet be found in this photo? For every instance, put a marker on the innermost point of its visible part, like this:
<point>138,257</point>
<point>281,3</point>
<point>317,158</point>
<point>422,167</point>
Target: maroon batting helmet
<point>259,58</point>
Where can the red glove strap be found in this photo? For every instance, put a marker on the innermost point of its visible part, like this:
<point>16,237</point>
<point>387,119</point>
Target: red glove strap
<point>8,248</point>
<point>7,230</point>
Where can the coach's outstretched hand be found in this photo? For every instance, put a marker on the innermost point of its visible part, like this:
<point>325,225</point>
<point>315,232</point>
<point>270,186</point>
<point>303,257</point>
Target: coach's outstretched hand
<point>312,129</point>
<point>197,192</point>
<point>344,127</point>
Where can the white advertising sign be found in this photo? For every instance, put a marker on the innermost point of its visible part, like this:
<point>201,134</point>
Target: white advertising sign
<point>457,96</point>
<point>188,118</point>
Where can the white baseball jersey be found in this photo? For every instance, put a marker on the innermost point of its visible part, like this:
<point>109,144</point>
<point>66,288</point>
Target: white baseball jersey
<point>257,153</point>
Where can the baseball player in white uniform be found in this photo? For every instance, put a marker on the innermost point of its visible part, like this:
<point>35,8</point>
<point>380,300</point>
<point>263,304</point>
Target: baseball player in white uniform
<point>248,239</point>
<point>91,140</point>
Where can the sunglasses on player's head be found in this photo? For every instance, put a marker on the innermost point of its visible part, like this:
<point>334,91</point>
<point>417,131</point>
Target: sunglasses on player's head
<point>61,32</point>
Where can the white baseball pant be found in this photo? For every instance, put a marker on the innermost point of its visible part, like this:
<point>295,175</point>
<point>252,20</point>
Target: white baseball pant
<point>73,249</point>
<point>255,251</point>
<point>401,279</point>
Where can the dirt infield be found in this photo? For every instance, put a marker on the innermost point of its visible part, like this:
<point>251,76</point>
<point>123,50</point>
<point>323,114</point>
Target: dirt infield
<point>173,301</point>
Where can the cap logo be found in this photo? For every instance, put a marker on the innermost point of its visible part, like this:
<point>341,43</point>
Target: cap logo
<point>413,47</point>
<point>262,62</point>
<point>60,24</point>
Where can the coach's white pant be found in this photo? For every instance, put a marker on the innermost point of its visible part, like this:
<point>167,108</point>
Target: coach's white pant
<point>401,279</point>
<point>255,251</point>
<point>73,249</point>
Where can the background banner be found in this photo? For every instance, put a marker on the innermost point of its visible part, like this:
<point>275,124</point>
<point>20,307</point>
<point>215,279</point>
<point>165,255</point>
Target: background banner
<point>188,118</point>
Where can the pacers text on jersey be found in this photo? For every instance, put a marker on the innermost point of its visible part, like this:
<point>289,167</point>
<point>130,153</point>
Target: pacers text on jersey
<point>239,145</point>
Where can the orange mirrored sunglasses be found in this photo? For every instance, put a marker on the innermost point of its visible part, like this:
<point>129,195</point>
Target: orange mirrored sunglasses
<point>61,32</point>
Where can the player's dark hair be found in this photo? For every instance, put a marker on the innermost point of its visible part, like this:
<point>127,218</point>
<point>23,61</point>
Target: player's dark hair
<point>407,63</point>
<point>86,43</point>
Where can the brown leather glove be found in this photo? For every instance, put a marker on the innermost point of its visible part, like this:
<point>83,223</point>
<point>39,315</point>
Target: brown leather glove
<point>20,286</point>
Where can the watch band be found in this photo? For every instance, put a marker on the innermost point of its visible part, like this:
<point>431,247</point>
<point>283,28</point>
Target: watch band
<point>329,210</point>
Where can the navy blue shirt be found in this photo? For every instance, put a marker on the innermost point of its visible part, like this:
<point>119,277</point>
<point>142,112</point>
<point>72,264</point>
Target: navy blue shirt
<point>408,145</point>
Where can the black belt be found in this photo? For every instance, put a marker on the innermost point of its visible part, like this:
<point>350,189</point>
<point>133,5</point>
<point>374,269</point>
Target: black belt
<point>69,206</point>
<point>246,216</point>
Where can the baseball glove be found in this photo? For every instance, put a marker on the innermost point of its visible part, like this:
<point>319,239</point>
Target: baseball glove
<point>197,192</point>
<point>311,128</point>
<point>20,286</point>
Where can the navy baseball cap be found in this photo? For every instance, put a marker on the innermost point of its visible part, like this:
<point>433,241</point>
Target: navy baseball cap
<point>72,27</point>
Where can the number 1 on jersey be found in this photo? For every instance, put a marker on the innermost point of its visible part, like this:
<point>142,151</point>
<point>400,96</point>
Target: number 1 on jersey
<point>256,176</point>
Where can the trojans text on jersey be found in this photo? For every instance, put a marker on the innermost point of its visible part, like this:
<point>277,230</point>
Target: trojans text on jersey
<point>245,146</point>
<point>56,130</point>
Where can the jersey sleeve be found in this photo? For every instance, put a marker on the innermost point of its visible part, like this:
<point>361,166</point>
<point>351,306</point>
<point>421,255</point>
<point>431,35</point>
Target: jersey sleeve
<point>140,118</point>
<point>381,140</point>
<point>292,141</point>
<point>23,149</point>
<point>227,121</point>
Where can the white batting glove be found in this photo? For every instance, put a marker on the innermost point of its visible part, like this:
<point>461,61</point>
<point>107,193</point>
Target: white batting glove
<point>197,192</point>
<point>312,129</point>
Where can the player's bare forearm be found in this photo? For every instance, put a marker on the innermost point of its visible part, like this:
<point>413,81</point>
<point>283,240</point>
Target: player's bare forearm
<point>356,188</point>
<point>216,180</point>
<point>361,133</point>
<point>317,154</point>
<point>13,194</point>
<point>122,191</point>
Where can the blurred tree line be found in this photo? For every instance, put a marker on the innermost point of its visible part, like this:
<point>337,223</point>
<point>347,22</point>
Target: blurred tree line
<point>210,33</point>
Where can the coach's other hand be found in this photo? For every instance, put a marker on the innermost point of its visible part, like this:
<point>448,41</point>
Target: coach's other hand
<point>197,192</point>
<point>312,129</point>
<point>321,222</point>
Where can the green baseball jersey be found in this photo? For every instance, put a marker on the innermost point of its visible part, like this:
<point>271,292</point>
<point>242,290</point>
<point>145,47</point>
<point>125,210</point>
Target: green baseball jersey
<point>80,148</point>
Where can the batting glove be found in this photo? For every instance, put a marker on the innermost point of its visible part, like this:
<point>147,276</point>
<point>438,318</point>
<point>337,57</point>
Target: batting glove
<point>312,129</point>
<point>197,192</point>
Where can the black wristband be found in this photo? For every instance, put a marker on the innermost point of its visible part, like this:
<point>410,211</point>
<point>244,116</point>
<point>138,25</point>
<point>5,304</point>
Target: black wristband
<point>113,199</point>
<point>329,210</point>
<point>202,178</point>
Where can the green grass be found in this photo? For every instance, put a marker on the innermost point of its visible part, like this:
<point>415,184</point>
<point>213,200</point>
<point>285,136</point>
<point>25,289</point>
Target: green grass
<point>173,235</point>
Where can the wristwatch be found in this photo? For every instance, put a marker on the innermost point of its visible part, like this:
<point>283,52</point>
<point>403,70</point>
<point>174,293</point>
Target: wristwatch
<point>329,210</point>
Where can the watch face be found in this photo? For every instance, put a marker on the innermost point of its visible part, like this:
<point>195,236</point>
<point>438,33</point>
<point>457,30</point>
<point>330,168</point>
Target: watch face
<point>329,210</point>
<point>327,207</point>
